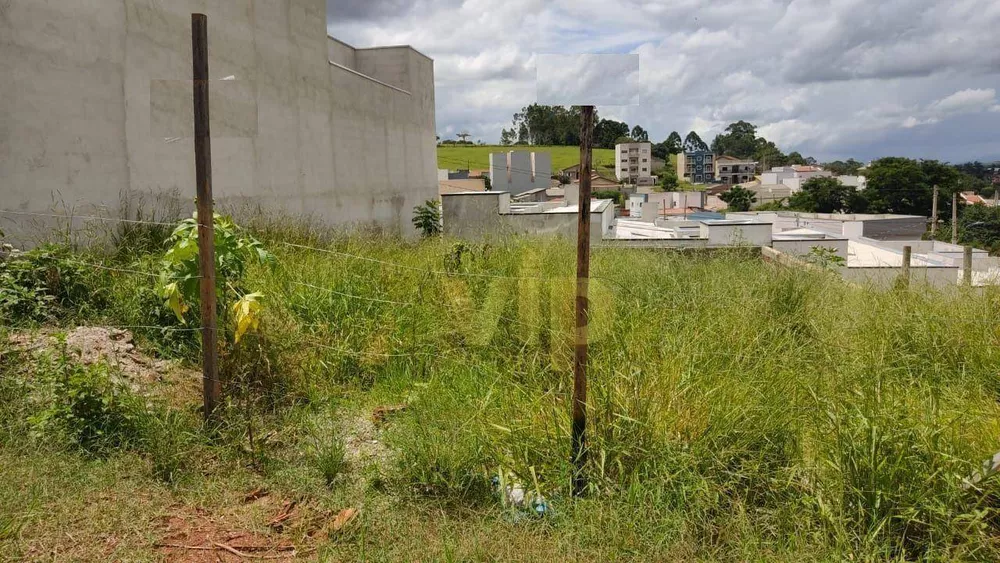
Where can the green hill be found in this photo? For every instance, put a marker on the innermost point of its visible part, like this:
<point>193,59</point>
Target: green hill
<point>477,157</point>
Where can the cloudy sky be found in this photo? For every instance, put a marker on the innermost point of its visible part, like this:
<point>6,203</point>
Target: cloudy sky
<point>829,78</point>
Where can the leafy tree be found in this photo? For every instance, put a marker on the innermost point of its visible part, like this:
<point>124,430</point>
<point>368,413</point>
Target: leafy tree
<point>768,154</point>
<point>640,134</point>
<point>828,195</point>
<point>667,177</point>
<point>693,143</point>
<point>739,198</point>
<point>978,226</point>
<point>674,144</point>
<point>607,131</point>
<point>617,196</point>
<point>739,140</point>
<point>776,205</point>
<point>507,137</point>
<point>622,140</point>
<point>794,158</point>
<point>898,185</point>
<point>427,218</point>
<point>849,167</point>
<point>547,125</point>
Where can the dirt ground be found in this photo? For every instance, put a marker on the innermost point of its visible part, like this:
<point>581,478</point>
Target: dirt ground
<point>92,345</point>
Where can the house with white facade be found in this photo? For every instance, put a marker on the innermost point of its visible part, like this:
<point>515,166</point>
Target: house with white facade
<point>793,176</point>
<point>634,163</point>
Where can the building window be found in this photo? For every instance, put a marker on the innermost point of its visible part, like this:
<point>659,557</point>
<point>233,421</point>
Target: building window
<point>645,170</point>
<point>644,160</point>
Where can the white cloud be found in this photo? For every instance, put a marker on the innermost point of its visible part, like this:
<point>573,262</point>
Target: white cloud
<point>965,101</point>
<point>832,78</point>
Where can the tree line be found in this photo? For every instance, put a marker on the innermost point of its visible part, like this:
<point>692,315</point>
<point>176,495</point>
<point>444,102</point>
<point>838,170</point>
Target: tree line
<point>560,125</point>
<point>894,185</point>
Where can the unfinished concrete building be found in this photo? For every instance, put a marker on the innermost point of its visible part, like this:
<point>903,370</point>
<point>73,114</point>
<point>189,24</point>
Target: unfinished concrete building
<point>520,171</point>
<point>95,107</point>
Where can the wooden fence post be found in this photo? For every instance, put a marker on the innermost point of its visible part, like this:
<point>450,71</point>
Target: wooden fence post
<point>212,387</point>
<point>967,266</point>
<point>579,429</point>
<point>905,272</point>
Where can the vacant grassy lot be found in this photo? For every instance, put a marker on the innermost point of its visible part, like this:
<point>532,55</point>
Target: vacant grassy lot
<point>739,411</point>
<point>478,157</point>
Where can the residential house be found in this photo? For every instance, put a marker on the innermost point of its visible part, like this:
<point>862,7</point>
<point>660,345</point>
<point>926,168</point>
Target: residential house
<point>731,170</point>
<point>634,163</point>
<point>793,176</point>
<point>696,167</point>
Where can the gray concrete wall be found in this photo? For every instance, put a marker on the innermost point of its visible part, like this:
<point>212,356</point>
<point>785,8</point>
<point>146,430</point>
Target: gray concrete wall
<point>903,228</point>
<point>886,277</point>
<point>729,234</point>
<point>541,164</point>
<point>520,171</point>
<point>473,215</point>
<point>95,106</point>
<point>803,247</point>
<point>487,214</point>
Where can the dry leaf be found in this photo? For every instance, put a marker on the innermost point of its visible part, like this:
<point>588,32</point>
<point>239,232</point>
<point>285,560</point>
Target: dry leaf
<point>344,518</point>
<point>380,414</point>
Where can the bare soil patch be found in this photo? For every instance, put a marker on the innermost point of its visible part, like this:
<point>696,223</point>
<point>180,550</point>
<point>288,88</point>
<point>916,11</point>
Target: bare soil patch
<point>92,345</point>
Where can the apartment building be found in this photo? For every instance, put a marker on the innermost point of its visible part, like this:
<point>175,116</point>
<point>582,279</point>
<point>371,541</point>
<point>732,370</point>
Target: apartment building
<point>696,167</point>
<point>634,163</point>
<point>731,170</point>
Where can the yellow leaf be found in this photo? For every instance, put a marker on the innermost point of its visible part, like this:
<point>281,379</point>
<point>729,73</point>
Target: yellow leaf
<point>172,294</point>
<point>246,314</point>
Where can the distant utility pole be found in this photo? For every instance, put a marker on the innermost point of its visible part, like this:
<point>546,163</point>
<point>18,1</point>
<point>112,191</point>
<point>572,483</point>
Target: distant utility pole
<point>954,217</point>
<point>934,210</point>
<point>905,273</point>
<point>578,454</point>
<point>212,387</point>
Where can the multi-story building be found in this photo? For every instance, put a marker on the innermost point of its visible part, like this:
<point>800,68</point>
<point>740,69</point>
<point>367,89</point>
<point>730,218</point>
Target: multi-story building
<point>697,167</point>
<point>634,163</point>
<point>731,170</point>
<point>520,171</point>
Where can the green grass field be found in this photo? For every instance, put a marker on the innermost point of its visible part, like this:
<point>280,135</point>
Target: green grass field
<point>738,411</point>
<point>478,157</point>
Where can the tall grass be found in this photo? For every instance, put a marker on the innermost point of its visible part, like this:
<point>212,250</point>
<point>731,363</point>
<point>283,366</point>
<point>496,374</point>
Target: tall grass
<point>737,409</point>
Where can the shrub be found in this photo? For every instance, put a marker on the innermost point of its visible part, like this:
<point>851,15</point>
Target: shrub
<point>46,282</point>
<point>235,251</point>
<point>85,404</point>
<point>615,195</point>
<point>427,218</point>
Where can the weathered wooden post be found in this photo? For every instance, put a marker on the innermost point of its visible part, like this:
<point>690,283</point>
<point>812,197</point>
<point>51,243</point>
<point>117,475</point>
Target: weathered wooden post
<point>579,429</point>
<point>954,217</point>
<point>905,272</point>
<point>212,387</point>
<point>934,210</point>
<point>967,266</point>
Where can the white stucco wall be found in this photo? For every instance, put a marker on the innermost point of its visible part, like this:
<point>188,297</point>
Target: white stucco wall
<point>303,136</point>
